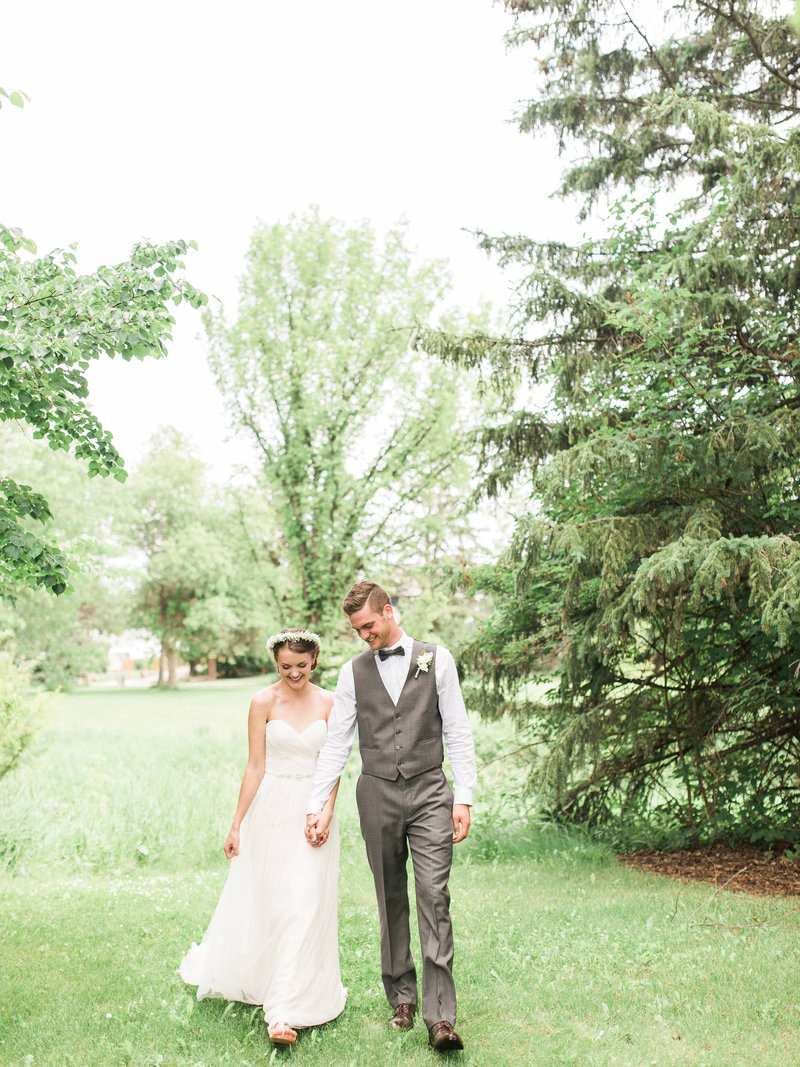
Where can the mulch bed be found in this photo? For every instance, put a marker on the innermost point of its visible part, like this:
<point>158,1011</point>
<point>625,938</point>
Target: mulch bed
<point>750,870</point>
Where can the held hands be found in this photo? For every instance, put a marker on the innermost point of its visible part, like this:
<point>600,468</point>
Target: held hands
<point>317,827</point>
<point>461,821</point>
<point>231,846</point>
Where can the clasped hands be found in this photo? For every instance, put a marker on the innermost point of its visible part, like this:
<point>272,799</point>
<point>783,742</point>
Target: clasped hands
<point>317,828</point>
<point>317,832</point>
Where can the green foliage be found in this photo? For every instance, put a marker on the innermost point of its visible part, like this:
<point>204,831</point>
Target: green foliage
<point>53,322</point>
<point>199,591</point>
<point>647,94</point>
<point>657,572</point>
<point>15,97</point>
<point>59,636</point>
<point>358,435</point>
<point>21,710</point>
<point>24,558</point>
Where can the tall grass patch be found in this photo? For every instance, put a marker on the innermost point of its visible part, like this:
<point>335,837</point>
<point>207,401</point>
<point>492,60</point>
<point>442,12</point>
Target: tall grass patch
<point>128,779</point>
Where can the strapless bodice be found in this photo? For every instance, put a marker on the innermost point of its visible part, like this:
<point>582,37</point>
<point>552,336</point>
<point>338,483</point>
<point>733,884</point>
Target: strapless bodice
<point>293,753</point>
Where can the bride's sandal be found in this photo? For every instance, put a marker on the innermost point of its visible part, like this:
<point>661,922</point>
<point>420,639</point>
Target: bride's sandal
<point>282,1034</point>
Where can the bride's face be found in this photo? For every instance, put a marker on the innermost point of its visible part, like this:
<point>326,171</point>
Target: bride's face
<point>294,667</point>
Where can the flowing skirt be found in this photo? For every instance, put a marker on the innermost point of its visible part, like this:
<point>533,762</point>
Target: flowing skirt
<point>273,938</point>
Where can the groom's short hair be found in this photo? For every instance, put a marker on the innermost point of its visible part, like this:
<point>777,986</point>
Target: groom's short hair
<point>365,593</point>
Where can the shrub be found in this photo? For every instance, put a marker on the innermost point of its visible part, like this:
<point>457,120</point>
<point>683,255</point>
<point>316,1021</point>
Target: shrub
<point>20,711</point>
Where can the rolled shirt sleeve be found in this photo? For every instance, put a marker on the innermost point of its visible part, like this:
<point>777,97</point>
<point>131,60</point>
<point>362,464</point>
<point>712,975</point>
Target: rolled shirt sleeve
<point>455,727</point>
<point>341,733</point>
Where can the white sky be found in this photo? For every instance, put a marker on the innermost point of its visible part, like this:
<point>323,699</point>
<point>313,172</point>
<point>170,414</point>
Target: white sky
<point>171,118</point>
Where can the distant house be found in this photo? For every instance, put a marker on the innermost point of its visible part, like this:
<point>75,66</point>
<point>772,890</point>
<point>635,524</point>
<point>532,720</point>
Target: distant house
<point>133,653</point>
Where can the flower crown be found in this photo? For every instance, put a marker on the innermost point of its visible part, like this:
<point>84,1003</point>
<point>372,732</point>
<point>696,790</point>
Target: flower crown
<point>285,637</point>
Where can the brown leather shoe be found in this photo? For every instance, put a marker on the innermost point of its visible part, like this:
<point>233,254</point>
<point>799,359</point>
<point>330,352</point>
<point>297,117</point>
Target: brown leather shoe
<point>443,1038</point>
<point>403,1017</point>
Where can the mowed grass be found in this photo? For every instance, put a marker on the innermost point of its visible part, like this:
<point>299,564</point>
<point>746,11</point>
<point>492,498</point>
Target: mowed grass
<point>111,864</point>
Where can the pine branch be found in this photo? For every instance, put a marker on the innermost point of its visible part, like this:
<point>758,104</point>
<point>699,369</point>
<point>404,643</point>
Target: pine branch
<point>731,13</point>
<point>668,78</point>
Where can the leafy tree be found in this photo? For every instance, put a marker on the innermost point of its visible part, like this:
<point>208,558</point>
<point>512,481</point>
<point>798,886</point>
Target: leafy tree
<point>53,322</point>
<point>660,557</point>
<point>21,709</point>
<point>59,637</point>
<point>357,434</point>
<point>195,591</point>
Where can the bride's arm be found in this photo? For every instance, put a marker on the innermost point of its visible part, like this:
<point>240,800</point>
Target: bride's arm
<point>260,707</point>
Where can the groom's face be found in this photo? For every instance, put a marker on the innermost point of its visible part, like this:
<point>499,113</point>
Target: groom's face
<point>377,628</point>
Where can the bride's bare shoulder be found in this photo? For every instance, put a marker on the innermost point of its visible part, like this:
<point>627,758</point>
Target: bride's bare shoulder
<point>263,701</point>
<point>325,699</point>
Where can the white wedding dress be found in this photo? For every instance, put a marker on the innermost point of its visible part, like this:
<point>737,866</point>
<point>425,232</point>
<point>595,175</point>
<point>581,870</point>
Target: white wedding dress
<point>273,938</point>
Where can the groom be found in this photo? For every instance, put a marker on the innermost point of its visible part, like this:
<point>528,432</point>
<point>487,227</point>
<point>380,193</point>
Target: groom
<point>404,697</point>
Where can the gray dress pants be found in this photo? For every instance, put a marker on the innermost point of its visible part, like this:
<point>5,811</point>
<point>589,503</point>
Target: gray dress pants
<point>413,814</point>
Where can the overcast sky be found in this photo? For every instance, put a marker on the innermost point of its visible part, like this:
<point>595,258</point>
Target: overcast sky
<point>169,118</point>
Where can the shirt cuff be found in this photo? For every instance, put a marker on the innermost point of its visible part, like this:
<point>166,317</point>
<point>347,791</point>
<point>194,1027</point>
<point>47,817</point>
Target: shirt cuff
<point>462,795</point>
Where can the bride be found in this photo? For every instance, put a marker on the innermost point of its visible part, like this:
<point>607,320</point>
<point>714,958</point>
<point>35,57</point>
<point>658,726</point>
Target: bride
<point>273,938</point>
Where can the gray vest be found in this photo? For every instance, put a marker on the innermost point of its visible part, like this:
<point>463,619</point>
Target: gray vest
<point>403,740</point>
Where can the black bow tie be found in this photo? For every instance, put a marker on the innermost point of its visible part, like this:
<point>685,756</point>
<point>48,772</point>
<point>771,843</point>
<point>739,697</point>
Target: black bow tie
<point>384,653</point>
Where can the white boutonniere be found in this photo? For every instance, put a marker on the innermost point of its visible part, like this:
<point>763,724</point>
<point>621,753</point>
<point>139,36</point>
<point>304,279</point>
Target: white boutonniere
<point>423,662</point>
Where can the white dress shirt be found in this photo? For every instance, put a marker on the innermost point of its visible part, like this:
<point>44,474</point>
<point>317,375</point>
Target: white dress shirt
<point>393,672</point>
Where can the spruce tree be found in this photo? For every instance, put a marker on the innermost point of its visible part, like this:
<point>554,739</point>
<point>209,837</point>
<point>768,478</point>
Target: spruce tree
<point>659,561</point>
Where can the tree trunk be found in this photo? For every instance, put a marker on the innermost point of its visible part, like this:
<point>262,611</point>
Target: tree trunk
<point>172,666</point>
<point>162,663</point>
<point>212,668</point>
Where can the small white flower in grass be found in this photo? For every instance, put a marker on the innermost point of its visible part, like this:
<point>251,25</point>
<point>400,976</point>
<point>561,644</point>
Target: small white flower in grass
<point>423,662</point>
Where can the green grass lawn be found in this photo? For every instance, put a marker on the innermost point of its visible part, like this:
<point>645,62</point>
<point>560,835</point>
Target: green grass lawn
<point>111,863</point>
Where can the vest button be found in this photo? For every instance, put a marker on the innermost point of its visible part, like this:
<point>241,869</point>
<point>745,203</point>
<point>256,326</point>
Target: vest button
<point>397,747</point>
